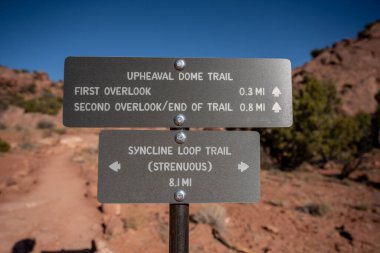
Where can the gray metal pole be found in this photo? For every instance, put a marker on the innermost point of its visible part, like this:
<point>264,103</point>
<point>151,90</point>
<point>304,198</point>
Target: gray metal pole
<point>179,228</point>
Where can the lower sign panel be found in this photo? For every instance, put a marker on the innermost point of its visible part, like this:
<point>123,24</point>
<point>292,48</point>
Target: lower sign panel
<point>150,167</point>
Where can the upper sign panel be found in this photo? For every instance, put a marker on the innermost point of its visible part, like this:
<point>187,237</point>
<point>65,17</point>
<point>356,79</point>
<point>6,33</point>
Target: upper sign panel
<point>150,92</point>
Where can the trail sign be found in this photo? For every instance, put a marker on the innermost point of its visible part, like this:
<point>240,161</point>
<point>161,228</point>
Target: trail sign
<point>151,167</point>
<point>177,167</point>
<point>150,92</point>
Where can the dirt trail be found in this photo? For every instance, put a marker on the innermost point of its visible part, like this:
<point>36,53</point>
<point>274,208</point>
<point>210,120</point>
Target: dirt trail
<point>56,213</point>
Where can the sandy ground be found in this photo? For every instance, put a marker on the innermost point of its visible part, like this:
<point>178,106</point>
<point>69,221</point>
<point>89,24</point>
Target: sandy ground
<point>55,211</point>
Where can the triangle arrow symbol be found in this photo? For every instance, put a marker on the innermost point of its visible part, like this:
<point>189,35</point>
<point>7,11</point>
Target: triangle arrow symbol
<point>242,166</point>
<point>115,166</point>
<point>276,108</point>
<point>276,92</point>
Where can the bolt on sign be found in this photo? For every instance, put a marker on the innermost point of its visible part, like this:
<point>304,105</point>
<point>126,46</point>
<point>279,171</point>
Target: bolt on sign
<point>150,92</point>
<point>178,166</point>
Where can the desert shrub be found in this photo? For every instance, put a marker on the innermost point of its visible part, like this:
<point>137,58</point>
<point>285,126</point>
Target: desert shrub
<point>45,124</point>
<point>276,203</point>
<point>3,126</point>
<point>130,223</point>
<point>132,217</point>
<point>313,209</point>
<point>91,150</point>
<point>18,71</point>
<point>366,34</point>
<point>47,133</point>
<point>47,103</point>
<point>19,128</point>
<point>4,103</point>
<point>26,145</point>
<point>376,123</point>
<point>59,131</point>
<point>30,88</point>
<point>4,146</point>
<point>361,206</point>
<point>213,215</point>
<point>315,52</point>
<point>320,132</point>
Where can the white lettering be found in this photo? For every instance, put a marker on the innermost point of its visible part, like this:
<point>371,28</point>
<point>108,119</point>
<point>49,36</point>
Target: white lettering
<point>88,107</point>
<point>193,76</point>
<point>219,107</point>
<point>189,150</point>
<point>218,151</point>
<point>150,76</point>
<point>86,91</point>
<point>215,76</point>
<point>127,91</point>
<point>150,150</point>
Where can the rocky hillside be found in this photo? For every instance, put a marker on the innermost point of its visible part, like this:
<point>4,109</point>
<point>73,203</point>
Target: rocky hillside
<point>24,89</point>
<point>353,65</point>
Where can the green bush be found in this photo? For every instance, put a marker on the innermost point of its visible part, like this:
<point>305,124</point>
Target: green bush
<point>45,124</point>
<point>320,132</point>
<point>47,103</point>
<point>30,88</point>
<point>313,209</point>
<point>213,215</point>
<point>376,123</point>
<point>59,131</point>
<point>18,71</point>
<point>4,146</point>
<point>315,52</point>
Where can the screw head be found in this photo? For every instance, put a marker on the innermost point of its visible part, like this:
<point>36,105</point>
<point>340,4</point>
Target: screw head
<point>180,137</point>
<point>180,64</point>
<point>180,195</point>
<point>179,119</point>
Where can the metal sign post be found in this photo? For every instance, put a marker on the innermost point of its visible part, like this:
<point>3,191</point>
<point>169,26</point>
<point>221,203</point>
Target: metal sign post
<point>179,228</point>
<point>179,213</point>
<point>177,167</point>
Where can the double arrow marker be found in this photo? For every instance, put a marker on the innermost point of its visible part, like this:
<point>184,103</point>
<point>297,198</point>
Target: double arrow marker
<point>116,166</point>
<point>276,108</point>
<point>276,93</point>
<point>242,166</point>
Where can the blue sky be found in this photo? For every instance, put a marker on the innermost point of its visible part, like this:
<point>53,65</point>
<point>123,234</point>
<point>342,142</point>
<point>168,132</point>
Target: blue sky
<point>38,35</point>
